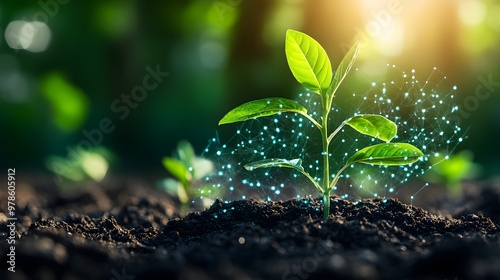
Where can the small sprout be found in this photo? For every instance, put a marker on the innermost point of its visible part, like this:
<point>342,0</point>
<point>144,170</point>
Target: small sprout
<point>452,170</point>
<point>80,167</point>
<point>188,170</point>
<point>311,67</point>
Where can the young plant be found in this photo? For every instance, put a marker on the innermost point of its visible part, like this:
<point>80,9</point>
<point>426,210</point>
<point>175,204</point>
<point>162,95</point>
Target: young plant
<point>311,67</point>
<point>188,169</point>
<point>85,166</point>
<point>452,170</point>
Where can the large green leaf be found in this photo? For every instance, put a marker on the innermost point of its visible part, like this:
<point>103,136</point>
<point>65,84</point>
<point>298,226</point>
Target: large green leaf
<point>308,61</point>
<point>276,162</point>
<point>387,154</point>
<point>374,125</point>
<point>341,72</point>
<point>261,108</point>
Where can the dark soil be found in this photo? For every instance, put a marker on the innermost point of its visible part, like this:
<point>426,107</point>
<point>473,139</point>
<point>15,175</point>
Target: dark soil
<point>129,230</point>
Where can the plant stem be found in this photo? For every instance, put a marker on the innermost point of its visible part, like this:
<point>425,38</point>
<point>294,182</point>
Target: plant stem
<point>326,163</point>
<point>326,205</point>
<point>337,176</point>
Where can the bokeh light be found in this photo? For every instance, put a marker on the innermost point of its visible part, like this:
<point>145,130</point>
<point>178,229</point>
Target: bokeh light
<point>31,36</point>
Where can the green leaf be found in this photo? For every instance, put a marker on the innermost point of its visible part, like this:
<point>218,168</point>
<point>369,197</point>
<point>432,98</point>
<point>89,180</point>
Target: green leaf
<point>170,185</point>
<point>276,162</point>
<point>387,154</point>
<point>201,167</point>
<point>287,163</point>
<point>94,165</point>
<point>68,169</point>
<point>308,61</point>
<point>341,72</point>
<point>185,152</point>
<point>374,125</point>
<point>177,169</point>
<point>175,188</point>
<point>262,108</point>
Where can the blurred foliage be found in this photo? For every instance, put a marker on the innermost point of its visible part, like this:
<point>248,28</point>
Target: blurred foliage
<point>80,167</point>
<point>188,170</point>
<point>452,171</point>
<point>69,105</point>
<point>219,54</point>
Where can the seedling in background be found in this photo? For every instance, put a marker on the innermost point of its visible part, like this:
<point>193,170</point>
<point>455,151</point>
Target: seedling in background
<point>452,170</point>
<point>89,165</point>
<point>311,67</point>
<point>188,169</point>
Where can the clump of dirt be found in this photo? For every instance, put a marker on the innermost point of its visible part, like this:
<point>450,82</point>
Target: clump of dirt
<point>126,232</point>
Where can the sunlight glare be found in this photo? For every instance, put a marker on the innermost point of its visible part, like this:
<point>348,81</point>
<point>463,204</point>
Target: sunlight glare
<point>391,39</point>
<point>472,12</point>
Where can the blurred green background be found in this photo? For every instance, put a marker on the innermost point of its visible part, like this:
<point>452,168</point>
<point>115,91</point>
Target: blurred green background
<point>67,67</point>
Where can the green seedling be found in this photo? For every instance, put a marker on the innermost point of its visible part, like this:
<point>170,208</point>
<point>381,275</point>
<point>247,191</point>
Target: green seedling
<point>82,166</point>
<point>451,171</point>
<point>188,170</point>
<point>311,67</point>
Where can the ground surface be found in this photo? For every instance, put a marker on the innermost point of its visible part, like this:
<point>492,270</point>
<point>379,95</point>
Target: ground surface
<point>128,230</point>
